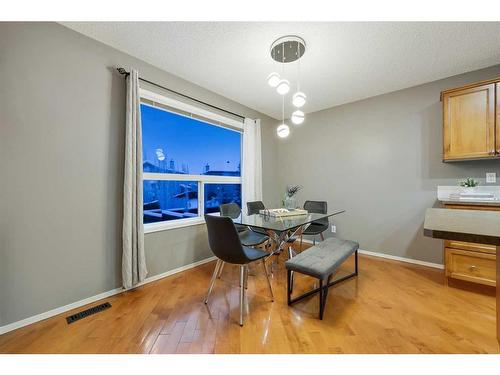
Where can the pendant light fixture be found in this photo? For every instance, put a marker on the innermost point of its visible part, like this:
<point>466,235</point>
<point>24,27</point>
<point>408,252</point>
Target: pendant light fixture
<point>283,130</point>
<point>298,117</point>
<point>273,79</point>
<point>299,98</point>
<point>284,50</point>
<point>283,87</point>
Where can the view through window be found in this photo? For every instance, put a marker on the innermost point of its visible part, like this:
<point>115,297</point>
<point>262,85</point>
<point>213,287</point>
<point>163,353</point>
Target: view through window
<point>191,167</point>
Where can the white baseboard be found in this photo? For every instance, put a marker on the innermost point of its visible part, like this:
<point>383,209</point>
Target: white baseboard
<point>402,259</point>
<point>393,257</point>
<point>86,301</point>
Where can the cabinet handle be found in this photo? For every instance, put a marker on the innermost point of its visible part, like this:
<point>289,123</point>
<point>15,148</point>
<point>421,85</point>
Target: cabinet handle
<point>472,268</point>
<point>492,152</point>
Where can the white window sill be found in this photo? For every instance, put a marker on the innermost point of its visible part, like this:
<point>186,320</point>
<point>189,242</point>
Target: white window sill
<point>174,224</point>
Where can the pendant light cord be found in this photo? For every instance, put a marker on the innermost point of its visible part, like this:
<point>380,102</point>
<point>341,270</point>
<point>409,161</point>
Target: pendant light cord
<point>283,108</point>
<point>283,72</point>
<point>298,66</point>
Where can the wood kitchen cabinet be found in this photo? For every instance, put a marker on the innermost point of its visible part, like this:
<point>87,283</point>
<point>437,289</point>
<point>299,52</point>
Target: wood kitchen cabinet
<point>468,261</point>
<point>471,121</point>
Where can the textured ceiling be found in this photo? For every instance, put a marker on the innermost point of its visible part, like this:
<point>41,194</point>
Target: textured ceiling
<point>344,62</point>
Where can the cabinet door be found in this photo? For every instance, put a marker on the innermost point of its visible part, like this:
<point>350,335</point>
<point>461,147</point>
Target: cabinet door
<point>497,122</point>
<point>469,123</point>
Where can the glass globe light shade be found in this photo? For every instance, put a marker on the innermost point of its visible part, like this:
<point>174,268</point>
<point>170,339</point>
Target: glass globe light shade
<point>283,87</point>
<point>283,131</point>
<point>273,79</point>
<point>299,99</point>
<point>298,117</point>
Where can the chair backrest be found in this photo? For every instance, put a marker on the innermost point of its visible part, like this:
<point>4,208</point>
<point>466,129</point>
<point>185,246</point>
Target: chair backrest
<point>231,210</point>
<point>224,240</point>
<point>254,207</point>
<point>317,207</point>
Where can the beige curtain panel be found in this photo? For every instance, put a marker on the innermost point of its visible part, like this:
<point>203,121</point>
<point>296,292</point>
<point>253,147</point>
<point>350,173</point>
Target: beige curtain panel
<point>133,259</point>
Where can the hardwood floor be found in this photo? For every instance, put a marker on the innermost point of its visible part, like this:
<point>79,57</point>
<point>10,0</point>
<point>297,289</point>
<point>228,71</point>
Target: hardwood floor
<point>391,307</point>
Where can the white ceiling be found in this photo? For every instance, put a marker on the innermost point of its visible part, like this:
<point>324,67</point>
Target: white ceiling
<point>344,62</point>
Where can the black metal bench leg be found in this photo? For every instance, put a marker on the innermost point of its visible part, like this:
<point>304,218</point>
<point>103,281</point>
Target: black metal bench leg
<point>326,288</point>
<point>289,286</point>
<point>356,263</point>
<point>321,299</point>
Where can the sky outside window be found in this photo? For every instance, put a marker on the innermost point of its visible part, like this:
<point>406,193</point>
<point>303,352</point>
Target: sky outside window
<point>179,144</point>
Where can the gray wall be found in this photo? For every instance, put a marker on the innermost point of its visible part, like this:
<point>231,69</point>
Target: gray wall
<point>61,160</point>
<point>380,160</point>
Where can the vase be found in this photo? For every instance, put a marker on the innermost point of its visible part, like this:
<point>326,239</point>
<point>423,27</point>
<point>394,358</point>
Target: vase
<point>290,202</point>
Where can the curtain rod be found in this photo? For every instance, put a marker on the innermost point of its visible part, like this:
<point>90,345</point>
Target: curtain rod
<point>124,72</point>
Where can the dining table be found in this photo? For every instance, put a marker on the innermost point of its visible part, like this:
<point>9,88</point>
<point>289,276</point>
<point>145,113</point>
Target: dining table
<point>281,229</point>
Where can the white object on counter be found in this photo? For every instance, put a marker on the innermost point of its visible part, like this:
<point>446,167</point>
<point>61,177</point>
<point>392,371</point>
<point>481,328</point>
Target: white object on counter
<point>476,194</point>
<point>283,212</point>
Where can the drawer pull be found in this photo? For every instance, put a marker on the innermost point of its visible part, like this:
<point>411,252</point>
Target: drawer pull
<point>472,268</point>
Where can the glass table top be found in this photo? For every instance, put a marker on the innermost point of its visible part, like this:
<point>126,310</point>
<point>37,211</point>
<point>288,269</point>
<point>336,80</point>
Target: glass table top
<point>280,224</point>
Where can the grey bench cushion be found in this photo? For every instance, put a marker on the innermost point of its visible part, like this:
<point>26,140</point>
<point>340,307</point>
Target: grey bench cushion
<point>322,260</point>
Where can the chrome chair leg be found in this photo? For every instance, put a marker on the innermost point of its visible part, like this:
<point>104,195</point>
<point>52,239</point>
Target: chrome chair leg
<point>268,281</point>
<point>242,292</point>
<point>246,276</point>
<point>212,281</point>
<point>290,254</point>
<point>220,270</point>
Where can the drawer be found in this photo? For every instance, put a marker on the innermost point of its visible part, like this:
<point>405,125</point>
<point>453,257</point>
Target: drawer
<point>471,266</point>
<point>482,248</point>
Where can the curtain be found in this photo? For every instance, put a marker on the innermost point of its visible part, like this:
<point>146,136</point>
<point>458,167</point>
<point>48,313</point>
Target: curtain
<point>133,257</point>
<point>252,161</point>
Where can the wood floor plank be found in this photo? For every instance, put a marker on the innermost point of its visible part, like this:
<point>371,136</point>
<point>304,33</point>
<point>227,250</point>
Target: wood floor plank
<point>392,307</point>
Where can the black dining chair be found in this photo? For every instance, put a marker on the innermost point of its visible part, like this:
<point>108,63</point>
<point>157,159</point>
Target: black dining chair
<point>318,226</point>
<point>248,237</point>
<point>253,208</point>
<point>233,211</point>
<point>226,245</point>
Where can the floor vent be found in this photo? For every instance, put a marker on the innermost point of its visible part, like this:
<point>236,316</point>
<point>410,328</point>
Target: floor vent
<point>83,314</point>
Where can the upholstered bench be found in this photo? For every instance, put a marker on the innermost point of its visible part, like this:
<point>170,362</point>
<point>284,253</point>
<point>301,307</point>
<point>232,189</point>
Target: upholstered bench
<point>320,262</point>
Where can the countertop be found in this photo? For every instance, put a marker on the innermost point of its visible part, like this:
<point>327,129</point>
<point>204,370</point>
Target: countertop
<point>463,225</point>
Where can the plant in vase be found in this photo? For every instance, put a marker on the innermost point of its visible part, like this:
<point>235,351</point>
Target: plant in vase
<point>469,185</point>
<point>289,200</point>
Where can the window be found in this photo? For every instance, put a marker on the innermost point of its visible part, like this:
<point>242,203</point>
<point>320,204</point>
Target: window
<point>217,194</point>
<point>191,164</point>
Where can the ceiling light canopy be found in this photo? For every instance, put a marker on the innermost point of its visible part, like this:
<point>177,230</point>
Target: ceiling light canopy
<point>288,49</point>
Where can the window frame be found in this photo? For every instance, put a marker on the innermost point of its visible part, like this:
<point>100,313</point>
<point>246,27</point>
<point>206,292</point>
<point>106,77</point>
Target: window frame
<point>223,122</point>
